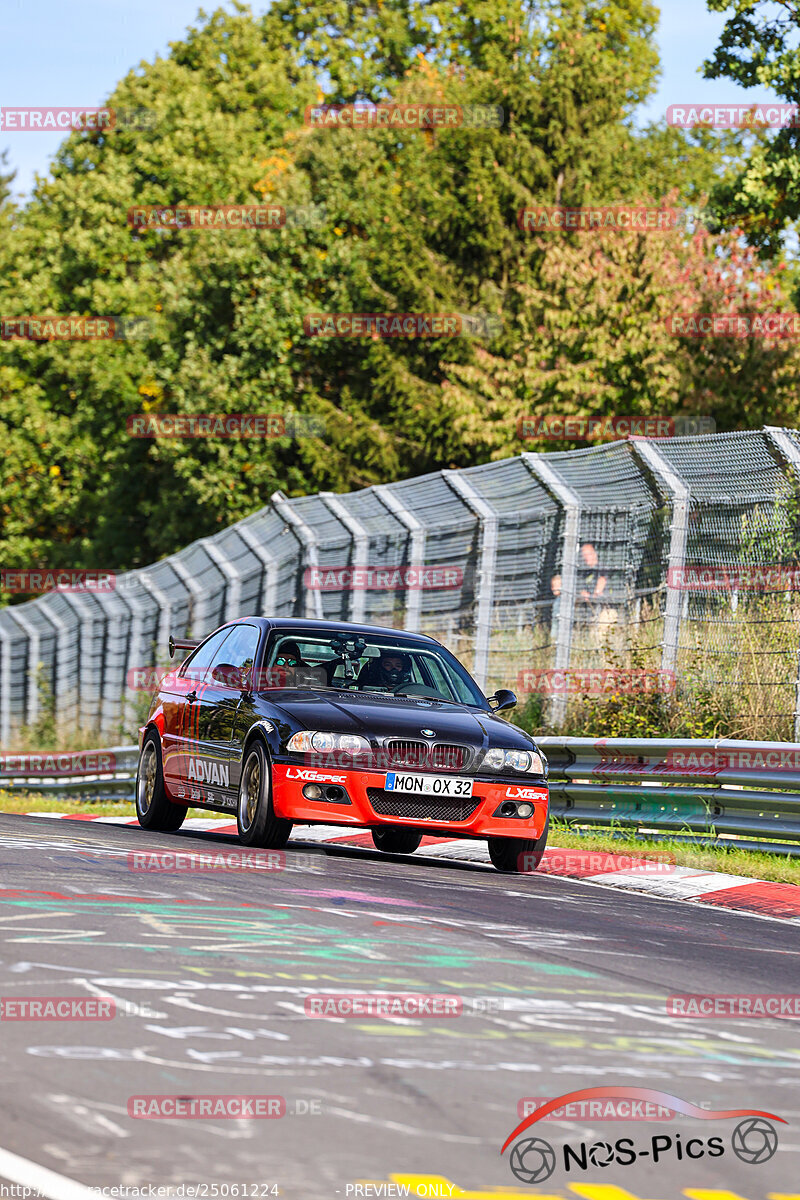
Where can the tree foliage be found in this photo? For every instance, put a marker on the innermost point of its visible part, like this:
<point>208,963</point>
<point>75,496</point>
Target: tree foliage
<point>759,47</point>
<point>404,221</point>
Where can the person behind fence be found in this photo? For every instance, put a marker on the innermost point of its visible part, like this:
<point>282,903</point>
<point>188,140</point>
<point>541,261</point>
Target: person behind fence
<point>594,589</point>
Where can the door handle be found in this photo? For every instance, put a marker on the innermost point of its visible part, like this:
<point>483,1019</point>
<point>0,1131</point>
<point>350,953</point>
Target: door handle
<point>192,696</point>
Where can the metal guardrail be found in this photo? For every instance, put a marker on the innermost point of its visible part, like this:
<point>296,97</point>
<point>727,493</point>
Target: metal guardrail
<point>700,787</point>
<point>107,774</point>
<point>707,787</point>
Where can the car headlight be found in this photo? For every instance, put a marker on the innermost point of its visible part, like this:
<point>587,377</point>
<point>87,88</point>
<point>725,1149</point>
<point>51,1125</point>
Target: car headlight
<point>313,739</point>
<point>518,760</point>
<point>525,761</point>
<point>538,764</point>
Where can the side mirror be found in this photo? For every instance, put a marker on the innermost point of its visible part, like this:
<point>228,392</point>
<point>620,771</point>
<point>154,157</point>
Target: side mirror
<point>502,699</point>
<point>227,676</point>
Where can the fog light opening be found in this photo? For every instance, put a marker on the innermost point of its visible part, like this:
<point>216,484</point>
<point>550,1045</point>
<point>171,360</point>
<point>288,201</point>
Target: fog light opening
<point>508,809</point>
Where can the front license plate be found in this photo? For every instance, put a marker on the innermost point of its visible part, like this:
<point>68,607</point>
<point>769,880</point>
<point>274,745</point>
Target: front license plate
<point>428,785</point>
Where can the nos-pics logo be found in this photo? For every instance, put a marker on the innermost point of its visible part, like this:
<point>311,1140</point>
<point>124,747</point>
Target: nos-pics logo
<point>532,1160</point>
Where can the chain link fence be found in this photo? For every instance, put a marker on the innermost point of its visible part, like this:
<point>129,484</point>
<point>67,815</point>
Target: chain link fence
<point>669,560</point>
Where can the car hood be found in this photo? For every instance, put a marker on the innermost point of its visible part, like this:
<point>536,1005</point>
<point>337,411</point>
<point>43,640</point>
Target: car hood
<point>374,716</point>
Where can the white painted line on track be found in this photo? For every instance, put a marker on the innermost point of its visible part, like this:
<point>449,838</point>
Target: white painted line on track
<point>675,884</point>
<point>44,1181</point>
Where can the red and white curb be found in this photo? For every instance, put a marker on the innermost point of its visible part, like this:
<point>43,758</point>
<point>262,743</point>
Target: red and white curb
<point>654,877</point>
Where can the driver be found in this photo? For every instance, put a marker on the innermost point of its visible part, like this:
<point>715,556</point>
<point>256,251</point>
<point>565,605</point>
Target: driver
<point>392,668</point>
<point>284,668</point>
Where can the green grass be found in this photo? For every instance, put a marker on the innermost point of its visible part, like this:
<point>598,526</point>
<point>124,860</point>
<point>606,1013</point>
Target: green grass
<point>752,863</point>
<point>30,802</point>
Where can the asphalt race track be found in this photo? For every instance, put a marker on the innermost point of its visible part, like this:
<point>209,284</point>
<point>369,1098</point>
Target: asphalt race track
<point>563,986</point>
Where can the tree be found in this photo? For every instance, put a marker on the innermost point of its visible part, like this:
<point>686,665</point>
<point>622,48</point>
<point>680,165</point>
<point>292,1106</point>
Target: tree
<point>5,180</point>
<point>595,339</point>
<point>408,221</point>
<point>758,46</point>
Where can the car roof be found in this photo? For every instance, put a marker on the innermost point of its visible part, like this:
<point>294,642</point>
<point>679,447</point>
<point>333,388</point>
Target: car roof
<point>297,623</point>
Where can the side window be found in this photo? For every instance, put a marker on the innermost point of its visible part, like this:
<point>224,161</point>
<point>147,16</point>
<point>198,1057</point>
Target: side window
<point>238,652</point>
<point>197,665</point>
<point>437,675</point>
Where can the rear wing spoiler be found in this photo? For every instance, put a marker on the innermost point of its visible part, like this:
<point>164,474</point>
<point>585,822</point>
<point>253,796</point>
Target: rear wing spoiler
<point>174,645</point>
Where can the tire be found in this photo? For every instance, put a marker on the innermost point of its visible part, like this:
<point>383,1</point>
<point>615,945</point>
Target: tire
<point>255,816</point>
<point>392,840</point>
<point>518,854</point>
<point>154,808</point>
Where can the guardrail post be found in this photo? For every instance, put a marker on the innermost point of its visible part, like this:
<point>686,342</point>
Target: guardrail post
<point>196,608</point>
<point>164,611</point>
<point>308,540</point>
<point>487,519</point>
<point>791,455</point>
<point>135,651</point>
<point>5,687</point>
<point>65,691</point>
<point>34,650</point>
<point>360,538</point>
<point>416,532</point>
<point>233,580</point>
<point>80,606</point>
<point>680,494</point>
<point>571,503</point>
<point>268,593</point>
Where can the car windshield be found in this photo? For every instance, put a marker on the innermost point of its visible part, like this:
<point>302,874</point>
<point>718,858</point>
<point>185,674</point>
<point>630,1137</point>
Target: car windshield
<point>367,663</point>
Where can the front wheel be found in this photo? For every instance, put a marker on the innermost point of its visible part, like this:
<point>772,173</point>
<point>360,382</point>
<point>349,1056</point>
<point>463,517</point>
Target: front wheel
<point>255,816</point>
<point>396,841</point>
<point>518,854</point>
<point>154,808</point>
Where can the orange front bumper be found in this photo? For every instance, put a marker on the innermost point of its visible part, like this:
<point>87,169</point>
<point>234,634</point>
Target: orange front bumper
<point>289,802</point>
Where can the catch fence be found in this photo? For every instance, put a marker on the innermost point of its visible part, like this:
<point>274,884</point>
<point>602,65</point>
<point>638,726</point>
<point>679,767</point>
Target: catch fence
<point>655,558</point>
